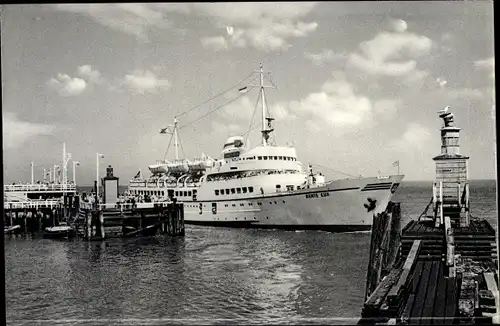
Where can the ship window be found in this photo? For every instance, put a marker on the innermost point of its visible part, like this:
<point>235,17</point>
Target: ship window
<point>278,186</point>
<point>259,203</point>
<point>185,193</point>
<point>289,187</point>
<point>265,157</point>
<point>250,189</point>
<point>275,157</point>
<point>225,205</point>
<point>234,205</point>
<point>189,193</point>
<point>238,190</point>
<point>194,192</point>
<point>244,189</point>
<point>221,191</point>
<point>233,191</point>
<point>250,204</point>
<point>242,204</point>
<point>217,192</point>
<point>259,157</point>
<point>280,157</point>
<point>177,193</point>
<point>163,193</point>
<point>227,191</point>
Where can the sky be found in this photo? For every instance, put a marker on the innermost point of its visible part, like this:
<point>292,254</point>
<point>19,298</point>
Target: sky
<point>358,83</point>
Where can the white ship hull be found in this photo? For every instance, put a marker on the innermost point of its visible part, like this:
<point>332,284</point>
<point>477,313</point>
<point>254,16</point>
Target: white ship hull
<point>340,206</point>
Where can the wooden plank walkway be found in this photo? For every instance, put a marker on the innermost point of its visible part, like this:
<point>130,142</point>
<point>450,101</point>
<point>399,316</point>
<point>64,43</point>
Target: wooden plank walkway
<point>420,292</point>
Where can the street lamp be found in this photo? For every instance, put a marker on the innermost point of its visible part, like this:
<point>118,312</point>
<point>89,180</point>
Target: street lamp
<point>75,164</point>
<point>98,155</point>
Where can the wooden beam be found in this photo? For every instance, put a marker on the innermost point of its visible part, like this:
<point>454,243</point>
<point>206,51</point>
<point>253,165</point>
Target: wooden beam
<point>410,262</point>
<point>492,286</point>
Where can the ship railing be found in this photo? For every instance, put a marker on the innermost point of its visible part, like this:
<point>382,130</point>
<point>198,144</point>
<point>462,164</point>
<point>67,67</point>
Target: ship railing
<point>40,187</point>
<point>33,204</point>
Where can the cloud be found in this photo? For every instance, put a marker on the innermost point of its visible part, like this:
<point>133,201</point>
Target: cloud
<point>441,81</point>
<point>16,132</point>
<point>66,85</point>
<point>390,53</point>
<point>336,105</point>
<point>145,81</point>
<point>216,43</point>
<point>386,108</point>
<point>89,74</point>
<point>266,26</point>
<point>414,138</point>
<point>399,25</point>
<point>486,64</point>
<point>131,18</point>
<point>325,56</point>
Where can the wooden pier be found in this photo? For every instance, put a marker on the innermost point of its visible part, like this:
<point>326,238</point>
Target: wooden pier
<point>129,220</point>
<point>446,267</point>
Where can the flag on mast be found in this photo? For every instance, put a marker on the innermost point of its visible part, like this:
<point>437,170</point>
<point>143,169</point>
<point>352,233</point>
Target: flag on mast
<point>396,163</point>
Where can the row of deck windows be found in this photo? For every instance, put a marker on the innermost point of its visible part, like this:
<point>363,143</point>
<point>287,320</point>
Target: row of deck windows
<point>148,192</point>
<point>183,193</point>
<point>160,193</point>
<point>280,158</point>
<point>242,190</point>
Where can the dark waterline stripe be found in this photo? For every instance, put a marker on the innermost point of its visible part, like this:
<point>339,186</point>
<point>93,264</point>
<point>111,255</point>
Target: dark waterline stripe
<point>290,227</point>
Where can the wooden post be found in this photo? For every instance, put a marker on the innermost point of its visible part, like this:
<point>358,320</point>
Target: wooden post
<point>89,225</point>
<point>467,204</point>
<point>492,286</point>
<point>25,212</point>
<point>441,202</point>
<point>450,247</point>
<point>100,217</point>
<point>10,214</point>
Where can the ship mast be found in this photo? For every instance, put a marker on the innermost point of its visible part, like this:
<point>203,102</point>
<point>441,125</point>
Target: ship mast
<point>265,132</point>
<point>176,143</point>
<point>263,98</point>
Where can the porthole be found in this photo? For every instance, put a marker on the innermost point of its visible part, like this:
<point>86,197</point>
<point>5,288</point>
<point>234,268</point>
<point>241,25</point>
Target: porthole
<point>275,202</point>
<point>267,217</point>
<point>283,201</point>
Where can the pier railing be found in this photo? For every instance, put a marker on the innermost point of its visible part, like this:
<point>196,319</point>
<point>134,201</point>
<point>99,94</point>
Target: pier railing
<point>32,204</point>
<point>40,187</point>
<point>123,206</point>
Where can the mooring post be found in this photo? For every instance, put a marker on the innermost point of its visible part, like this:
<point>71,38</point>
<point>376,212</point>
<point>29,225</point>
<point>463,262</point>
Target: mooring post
<point>10,213</point>
<point>88,220</point>
<point>25,220</point>
<point>182,220</point>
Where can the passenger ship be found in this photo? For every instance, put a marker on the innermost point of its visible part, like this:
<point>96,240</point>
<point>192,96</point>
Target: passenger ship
<point>265,187</point>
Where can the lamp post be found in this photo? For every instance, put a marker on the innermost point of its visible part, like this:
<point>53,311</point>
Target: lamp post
<point>32,175</point>
<point>66,158</point>
<point>98,155</point>
<point>56,167</point>
<point>75,164</point>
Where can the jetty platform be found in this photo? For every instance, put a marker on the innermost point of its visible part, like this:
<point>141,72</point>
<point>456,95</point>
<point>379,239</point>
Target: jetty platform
<point>421,283</point>
<point>442,268</point>
<point>98,222</point>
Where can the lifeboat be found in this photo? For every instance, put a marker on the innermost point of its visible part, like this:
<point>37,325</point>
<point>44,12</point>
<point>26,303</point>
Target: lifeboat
<point>158,168</point>
<point>182,167</point>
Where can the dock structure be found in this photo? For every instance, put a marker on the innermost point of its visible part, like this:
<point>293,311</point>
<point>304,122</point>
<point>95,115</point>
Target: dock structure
<point>128,220</point>
<point>446,267</point>
<point>96,221</point>
<point>33,207</point>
